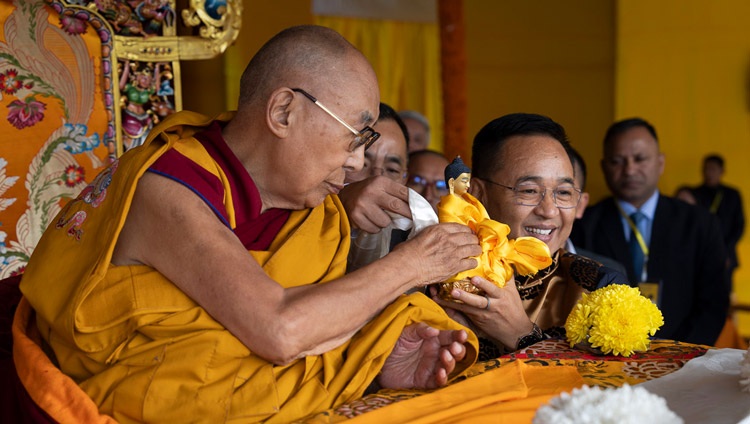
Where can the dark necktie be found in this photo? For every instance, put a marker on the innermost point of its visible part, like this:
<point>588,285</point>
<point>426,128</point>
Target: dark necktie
<point>635,248</point>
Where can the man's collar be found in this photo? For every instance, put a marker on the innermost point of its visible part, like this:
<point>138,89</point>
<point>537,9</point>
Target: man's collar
<point>648,208</point>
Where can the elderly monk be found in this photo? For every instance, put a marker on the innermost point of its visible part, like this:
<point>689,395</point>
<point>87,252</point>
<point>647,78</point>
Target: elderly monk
<point>201,276</point>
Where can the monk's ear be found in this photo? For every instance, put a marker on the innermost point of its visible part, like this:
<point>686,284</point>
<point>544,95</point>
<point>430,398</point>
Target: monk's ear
<point>279,110</point>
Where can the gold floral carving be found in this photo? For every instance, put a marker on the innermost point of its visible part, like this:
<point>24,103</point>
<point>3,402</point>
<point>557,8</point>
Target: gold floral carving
<point>216,35</point>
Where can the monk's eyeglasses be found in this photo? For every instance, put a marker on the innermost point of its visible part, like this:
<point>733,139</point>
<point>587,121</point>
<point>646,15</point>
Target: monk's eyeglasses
<point>362,138</point>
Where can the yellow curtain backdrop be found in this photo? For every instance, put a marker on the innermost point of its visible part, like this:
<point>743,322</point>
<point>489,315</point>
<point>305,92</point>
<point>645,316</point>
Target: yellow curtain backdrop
<point>683,66</point>
<point>406,58</point>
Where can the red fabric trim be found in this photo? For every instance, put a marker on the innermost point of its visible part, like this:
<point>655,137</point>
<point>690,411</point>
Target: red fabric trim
<point>245,196</point>
<point>255,230</point>
<point>175,165</point>
<point>258,234</point>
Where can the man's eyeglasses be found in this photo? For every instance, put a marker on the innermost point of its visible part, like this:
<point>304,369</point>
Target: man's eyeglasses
<point>530,194</point>
<point>363,138</point>
<point>420,184</point>
<point>392,172</point>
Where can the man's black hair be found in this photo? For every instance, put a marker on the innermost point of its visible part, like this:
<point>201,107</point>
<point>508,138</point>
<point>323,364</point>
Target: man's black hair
<point>717,159</point>
<point>387,113</point>
<point>491,138</point>
<point>576,158</point>
<point>620,127</point>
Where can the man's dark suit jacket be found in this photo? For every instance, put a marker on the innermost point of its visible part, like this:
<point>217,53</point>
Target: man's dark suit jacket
<point>686,255</point>
<point>730,213</point>
<point>604,260</point>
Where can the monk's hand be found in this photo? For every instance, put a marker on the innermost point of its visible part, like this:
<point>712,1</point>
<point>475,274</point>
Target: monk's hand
<point>422,358</point>
<point>499,314</point>
<point>367,201</point>
<point>439,252</point>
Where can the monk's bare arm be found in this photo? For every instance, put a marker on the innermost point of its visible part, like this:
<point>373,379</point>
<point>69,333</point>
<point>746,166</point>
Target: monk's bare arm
<point>170,229</point>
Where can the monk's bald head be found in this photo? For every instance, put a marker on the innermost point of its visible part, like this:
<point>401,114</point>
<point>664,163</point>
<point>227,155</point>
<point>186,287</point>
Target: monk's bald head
<point>298,152</point>
<point>306,53</point>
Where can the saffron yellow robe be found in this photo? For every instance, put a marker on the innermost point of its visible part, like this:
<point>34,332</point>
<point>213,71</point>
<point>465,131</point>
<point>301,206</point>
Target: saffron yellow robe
<point>145,351</point>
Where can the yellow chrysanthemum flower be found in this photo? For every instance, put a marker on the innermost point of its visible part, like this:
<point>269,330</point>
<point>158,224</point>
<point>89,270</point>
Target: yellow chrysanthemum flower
<point>615,319</point>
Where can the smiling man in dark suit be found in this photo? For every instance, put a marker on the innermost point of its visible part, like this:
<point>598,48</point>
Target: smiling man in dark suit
<point>673,251</point>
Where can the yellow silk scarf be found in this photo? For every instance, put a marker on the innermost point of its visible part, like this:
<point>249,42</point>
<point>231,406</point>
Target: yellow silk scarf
<point>499,254</point>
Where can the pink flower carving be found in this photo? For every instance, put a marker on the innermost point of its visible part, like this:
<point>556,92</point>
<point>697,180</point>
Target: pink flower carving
<point>25,114</point>
<point>73,24</point>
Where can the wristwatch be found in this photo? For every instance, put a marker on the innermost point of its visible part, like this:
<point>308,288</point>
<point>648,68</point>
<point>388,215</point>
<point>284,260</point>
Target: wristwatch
<point>536,335</point>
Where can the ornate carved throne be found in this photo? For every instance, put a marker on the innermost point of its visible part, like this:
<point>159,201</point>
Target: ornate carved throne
<point>80,82</point>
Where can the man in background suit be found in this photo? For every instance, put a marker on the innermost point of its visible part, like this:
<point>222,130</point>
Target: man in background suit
<point>726,203</point>
<point>579,170</point>
<point>673,251</point>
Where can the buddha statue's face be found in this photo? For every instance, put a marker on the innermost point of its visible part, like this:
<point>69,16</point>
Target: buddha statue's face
<point>462,183</point>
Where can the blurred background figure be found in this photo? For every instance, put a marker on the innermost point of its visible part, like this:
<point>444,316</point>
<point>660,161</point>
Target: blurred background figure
<point>726,203</point>
<point>685,194</point>
<point>579,173</point>
<point>388,156</point>
<point>426,175</point>
<point>673,252</point>
<point>418,128</point>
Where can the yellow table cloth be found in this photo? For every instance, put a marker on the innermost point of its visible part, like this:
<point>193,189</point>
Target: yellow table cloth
<point>509,389</point>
